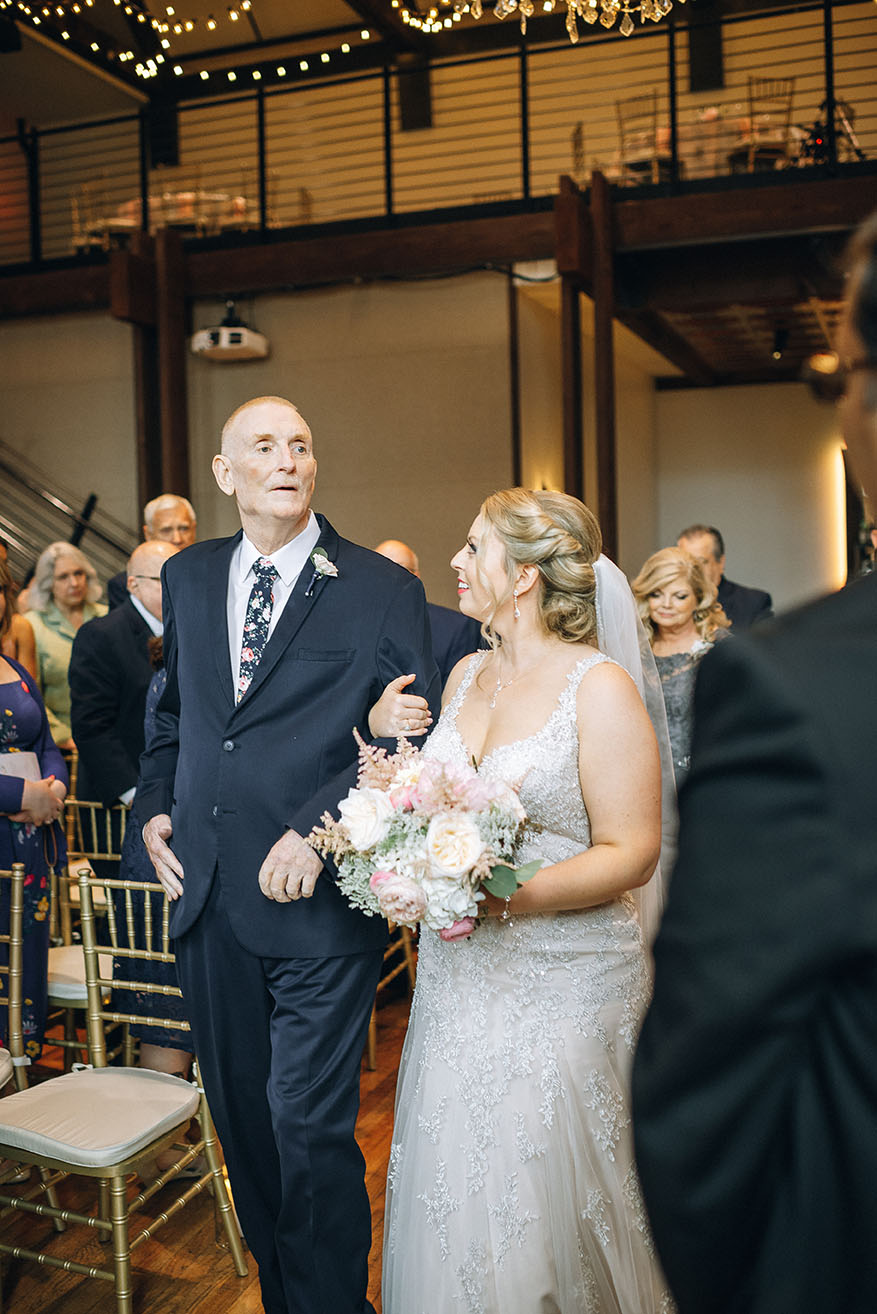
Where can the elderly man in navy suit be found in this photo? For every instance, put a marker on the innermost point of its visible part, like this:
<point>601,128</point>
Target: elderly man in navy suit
<point>278,641</point>
<point>755,1081</point>
<point>742,605</point>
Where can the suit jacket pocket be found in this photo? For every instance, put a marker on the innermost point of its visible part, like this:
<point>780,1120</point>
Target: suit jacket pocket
<point>325,654</point>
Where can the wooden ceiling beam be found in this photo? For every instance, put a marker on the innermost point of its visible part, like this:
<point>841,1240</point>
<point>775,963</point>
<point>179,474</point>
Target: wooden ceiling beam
<point>380,15</point>
<point>55,291</point>
<point>649,326</point>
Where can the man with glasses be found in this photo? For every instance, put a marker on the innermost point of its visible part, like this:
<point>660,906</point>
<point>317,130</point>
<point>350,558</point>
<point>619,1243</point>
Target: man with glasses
<point>168,518</point>
<point>755,1081</point>
<point>109,675</point>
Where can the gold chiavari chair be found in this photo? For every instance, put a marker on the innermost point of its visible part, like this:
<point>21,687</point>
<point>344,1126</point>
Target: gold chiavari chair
<point>401,948</point>
<point>106,1122</point>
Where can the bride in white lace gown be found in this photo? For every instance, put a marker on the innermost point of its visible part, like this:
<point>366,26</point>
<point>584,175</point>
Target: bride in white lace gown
<point>512,1187</point>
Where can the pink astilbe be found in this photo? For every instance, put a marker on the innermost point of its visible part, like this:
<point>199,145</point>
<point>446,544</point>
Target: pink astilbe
<point>376,768</point>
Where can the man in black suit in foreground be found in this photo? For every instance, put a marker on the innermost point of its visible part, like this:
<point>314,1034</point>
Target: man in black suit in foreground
<point>755,1081</point>
<point>277,643</point>
<point>742,605</point>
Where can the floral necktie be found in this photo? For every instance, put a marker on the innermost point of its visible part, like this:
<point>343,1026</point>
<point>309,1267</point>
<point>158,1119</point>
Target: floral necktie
<point>256,622</point>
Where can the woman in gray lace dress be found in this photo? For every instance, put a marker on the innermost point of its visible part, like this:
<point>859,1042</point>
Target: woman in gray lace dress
<point>679,609</point>
<point>512,1187</point>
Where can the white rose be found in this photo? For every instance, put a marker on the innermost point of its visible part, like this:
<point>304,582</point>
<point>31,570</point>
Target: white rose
<point>366,815</point>
<point>453,843</point>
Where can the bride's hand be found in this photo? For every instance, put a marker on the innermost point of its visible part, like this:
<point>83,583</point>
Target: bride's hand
<point>397,713</point>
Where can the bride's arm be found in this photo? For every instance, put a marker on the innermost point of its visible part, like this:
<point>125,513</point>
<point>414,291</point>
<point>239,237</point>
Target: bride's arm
<point>620,777</point>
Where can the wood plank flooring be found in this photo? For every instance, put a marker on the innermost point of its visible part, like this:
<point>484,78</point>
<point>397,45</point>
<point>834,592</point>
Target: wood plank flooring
<point>181,1270</point>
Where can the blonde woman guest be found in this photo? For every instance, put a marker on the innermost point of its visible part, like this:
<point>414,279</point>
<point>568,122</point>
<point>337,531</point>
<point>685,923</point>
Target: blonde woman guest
<point>683,619</point>
<point>63,595</point>
<point>16,634</point>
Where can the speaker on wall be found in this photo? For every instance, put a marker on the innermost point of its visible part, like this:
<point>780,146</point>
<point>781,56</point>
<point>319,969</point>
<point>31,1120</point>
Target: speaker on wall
<point>415,95</point>
<point>162,132</point>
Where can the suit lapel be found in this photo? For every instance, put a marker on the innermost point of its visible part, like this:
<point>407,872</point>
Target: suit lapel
<point>217,612</point>
<point>298,607</point>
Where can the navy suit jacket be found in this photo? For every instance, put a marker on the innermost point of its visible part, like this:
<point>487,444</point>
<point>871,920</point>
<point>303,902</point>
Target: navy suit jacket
<point>744,606</point>
<point>755,1080</point>
<point>454,636</point>
<point>232,776</point>
<point>109,674</point>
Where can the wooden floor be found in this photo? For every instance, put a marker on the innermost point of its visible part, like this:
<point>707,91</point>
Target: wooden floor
<point>182,1271</point>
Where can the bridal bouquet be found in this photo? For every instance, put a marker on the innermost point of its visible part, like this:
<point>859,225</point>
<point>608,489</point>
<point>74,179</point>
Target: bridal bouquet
<point>418,838</point>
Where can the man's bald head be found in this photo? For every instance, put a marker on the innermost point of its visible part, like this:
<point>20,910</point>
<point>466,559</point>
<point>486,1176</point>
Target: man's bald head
<point>237,422</point>
<point>401,553</point>
<point>144,573</point>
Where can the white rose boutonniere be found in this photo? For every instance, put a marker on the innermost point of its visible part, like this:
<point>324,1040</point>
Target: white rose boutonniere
<point>323,569</point>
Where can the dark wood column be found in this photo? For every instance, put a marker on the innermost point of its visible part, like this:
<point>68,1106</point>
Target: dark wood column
<point>604,363</point>
<point>132,299</point>
<point>571,366</point>
<point>170,306</point>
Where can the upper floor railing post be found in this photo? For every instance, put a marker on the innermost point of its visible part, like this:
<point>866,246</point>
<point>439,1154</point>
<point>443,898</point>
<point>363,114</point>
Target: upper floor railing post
<point>261,161</point>
<point>525,121</point>
<point>30,144</point>
<point>674,116</point>
<point>143,162</point>
<point>388,142</point>
<point>828,43</point>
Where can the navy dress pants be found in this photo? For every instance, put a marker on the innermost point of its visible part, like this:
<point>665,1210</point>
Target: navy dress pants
<point>279,1043</point>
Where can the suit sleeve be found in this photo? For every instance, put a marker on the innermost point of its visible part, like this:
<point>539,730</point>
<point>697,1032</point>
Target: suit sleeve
<point>95,703</point>
<point>158,764</point>
<point>403,645</point>
<point>753,927</point>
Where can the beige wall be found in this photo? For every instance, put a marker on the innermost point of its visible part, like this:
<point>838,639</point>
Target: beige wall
<point>68,404</point>
<point>406,389</point>
<point>764,465</point>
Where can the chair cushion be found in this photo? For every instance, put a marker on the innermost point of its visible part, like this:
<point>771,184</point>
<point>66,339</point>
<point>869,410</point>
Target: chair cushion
<point>97,1117</point>
<point>6,1068</point>
<point>67,973</point>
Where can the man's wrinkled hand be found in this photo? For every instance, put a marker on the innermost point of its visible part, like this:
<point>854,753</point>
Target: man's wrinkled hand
<point>168,868</point>
<point>290,870</point>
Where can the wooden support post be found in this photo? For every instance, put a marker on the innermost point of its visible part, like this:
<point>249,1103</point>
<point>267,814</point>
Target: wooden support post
<point>133,299</point>
<point>571,363</point>
<point>604,363</point>
<point>170,305</point>
<point>514,379</point>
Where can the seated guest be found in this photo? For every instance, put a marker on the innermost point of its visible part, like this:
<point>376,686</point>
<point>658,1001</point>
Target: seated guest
<point>743,606</point>
<point>62,596</point>
<point>110,671</point>
<point>16,633</point>
<point>453,635</point>
<point>168,518</point>
<point>33,786</point>
<point>678,608</point>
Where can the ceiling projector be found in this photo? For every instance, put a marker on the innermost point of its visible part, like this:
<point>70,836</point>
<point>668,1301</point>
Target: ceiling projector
<point>230,340</point>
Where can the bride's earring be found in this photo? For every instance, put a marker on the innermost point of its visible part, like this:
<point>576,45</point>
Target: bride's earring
<point>517,608</point>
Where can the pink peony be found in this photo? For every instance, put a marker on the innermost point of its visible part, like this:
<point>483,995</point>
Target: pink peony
<point>401,899</point>
<point>459,931</point>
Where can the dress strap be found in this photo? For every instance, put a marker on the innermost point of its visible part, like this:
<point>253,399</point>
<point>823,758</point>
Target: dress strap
<point>567,699</point>
<point>473,665</point>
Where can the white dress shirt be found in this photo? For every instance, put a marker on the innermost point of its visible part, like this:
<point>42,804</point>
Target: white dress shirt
<point>288,561</point>
<point>152,621</point>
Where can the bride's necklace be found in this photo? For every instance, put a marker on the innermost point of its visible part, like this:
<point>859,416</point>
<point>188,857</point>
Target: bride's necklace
<point>504,684</point>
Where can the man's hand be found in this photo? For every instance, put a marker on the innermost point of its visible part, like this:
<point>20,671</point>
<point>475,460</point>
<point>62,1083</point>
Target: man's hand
<point>168,867</point>
<point>290,870</point>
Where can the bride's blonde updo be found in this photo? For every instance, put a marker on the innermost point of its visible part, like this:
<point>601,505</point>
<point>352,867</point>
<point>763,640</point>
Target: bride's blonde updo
<point>561,537</point>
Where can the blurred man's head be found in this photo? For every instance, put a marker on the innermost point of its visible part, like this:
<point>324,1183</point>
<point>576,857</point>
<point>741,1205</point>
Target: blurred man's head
<point>401,553</point>
<point>144,573</point>
<point>857,352</point>
<point>170,519</point>
<point>706,545</point>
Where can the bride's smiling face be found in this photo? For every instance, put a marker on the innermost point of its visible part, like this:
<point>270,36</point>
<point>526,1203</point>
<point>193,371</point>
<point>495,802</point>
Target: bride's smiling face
<point>482,578</point>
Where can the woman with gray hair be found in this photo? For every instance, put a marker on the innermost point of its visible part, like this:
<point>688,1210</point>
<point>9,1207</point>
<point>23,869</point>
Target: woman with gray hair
<point>63,595</point>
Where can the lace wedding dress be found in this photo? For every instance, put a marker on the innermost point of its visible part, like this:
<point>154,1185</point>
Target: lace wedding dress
<point>512,1187</point>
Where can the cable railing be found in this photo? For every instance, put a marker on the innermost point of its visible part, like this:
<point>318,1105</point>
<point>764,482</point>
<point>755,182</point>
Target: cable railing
<point>787,92</point>
<point>36,511</point>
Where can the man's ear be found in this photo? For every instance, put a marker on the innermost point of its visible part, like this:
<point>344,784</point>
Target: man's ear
<point>222,474</point>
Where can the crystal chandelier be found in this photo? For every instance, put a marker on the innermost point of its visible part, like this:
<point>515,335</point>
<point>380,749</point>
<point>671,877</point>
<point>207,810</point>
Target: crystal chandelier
<point>605,12</point>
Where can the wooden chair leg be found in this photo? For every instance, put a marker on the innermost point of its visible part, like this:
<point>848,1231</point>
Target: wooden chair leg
<point>410,960</point>
<point>220,1195</point>
<point>371,1059</point>
<point>121,1252</point>
<point>103,1208</point>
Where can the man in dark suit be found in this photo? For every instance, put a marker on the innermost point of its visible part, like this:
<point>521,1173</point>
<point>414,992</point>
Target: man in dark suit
<point>453,635</point>
<point>755,1081</point>
<point>277,643</point>
<point>109,675</point>
<point>168,518</point>
<point>742,605</point>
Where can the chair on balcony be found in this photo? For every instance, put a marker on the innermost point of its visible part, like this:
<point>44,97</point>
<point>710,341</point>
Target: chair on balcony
<point>644,149</point>
<point>768,144</point>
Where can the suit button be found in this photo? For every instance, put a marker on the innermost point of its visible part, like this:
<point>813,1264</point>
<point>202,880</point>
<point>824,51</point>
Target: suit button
<point>228,745</point>
<point>216,810</point>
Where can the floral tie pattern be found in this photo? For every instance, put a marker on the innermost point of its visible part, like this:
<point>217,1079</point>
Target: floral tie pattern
<point>256,622</point>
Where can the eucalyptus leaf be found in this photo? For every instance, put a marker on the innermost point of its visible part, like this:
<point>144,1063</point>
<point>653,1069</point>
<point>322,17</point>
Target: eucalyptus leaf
<point>502,883</point>
<point>528,871</point>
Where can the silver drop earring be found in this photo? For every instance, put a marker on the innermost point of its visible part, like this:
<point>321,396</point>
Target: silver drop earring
<point>517,608</point>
